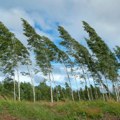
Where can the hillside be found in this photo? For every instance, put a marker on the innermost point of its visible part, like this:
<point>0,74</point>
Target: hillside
<point>96,110</point>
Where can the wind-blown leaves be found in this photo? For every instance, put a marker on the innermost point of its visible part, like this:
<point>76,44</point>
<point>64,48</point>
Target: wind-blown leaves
<point>107,63</point>
<point>12,51</point>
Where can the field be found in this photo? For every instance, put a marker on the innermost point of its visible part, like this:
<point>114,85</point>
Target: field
<point>83,110</point>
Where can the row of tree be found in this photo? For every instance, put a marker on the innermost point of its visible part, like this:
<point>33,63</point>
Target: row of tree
<point>98,64</point>
<point>59,93</point>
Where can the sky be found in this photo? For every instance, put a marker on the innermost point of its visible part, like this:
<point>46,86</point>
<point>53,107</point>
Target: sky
<point>46,15</point>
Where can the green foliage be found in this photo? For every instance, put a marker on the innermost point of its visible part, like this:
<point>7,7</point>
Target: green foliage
<point>106,61</point>
<point>36,44</point>
<point>12,51</point>
<point>76,57</point>
<point>42,92</point>
<point>117,53</point>
<point>62,110</point>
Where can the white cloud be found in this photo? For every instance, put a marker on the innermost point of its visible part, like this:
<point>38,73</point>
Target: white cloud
<point>102,15</point>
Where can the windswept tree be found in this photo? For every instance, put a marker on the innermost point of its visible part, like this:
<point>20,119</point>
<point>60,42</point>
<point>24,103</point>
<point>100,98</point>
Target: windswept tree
<point>68,64</point>
<point>116,84</point>
<point>21,57</point>
<point>78,52</point>
<point>43,53</point>
<point>106,61</point>
<point>117,52</point>
<point>12,54</point>
<point>60,56</point>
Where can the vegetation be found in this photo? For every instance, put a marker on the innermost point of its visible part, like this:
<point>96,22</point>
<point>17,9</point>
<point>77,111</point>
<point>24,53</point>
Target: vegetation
<point>95,67</point>
<point>97,110</point>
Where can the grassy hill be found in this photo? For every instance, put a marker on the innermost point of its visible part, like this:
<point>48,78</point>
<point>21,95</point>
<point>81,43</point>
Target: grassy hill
<point>84,110</point>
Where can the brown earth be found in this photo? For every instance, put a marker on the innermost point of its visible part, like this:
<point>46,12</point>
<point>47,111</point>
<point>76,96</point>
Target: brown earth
<point>110,117</point>
<point>6,116</point>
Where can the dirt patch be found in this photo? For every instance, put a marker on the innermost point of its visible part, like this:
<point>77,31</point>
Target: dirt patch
<point>6,116</point>
<point>110,117</point>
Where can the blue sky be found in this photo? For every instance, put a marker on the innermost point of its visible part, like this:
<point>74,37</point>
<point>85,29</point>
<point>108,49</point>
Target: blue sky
<point>46,15</point>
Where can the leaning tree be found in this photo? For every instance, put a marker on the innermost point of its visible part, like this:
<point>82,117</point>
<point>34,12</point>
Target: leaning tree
<point>106,61</point>
<point>78,52</point>
<point>12,54</point>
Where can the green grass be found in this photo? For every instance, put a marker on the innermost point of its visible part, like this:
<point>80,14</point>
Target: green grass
<point>83,110</point>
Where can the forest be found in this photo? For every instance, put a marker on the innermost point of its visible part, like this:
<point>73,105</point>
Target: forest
<point>95,66</point>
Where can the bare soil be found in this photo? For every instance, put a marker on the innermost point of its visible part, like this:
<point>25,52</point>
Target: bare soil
<point>6,116</point>
<point>110,117</point>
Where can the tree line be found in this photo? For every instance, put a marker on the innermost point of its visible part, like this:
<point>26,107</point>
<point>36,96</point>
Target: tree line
<point>42,91</point>
<point>97,65</point>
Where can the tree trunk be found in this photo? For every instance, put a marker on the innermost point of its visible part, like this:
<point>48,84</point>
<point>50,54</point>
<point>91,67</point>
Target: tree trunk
<point>109,96</point>
<point>51,90</point>
<point>96,93</point>
<point>18,85</point>
<point>69,82</point>
<point>90,88</point>
<point>14,88</point>
<point>116,93</point>
<point>102,93</point>
<point>77,89</point>
<point>56,86</point>
<point>32,82</point>
<point>101,84</point>
<point>86,84</point>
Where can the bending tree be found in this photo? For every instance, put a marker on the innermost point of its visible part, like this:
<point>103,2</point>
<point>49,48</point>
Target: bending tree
<point>78,52</point>
<point>106,61</point>
<point>12,54</point>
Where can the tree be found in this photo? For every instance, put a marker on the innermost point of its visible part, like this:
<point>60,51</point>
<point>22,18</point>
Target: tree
<point>42,91</point>
<point>106,61</point>
<point>13,53</point>
<point>78,52</point>
<point>117,83</point>
<point>43,52</point>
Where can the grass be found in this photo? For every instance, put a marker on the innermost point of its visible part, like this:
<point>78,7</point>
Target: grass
<point>83,110</point>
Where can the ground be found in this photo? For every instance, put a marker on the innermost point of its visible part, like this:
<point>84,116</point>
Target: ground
<point>83,110</point>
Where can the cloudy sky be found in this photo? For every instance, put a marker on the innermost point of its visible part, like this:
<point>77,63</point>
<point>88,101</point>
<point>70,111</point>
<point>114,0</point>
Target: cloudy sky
<point>46,15</point>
